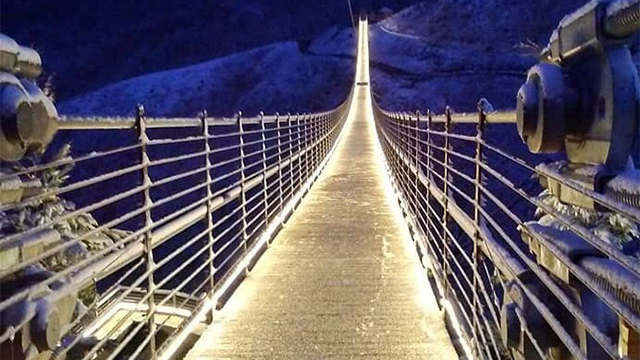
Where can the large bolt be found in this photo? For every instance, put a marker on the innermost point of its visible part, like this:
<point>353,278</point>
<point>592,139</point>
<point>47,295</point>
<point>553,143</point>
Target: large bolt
<point>38,130</point>
<point>510,326</point>
<point>28,119</point>
<point>47,328</point>
<point>541,109</point>
<point>527,109</point>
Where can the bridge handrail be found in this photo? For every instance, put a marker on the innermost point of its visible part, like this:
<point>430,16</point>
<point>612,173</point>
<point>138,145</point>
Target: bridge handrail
<point>458,197</point>
<point>70,122</point>
<point>245,176</point>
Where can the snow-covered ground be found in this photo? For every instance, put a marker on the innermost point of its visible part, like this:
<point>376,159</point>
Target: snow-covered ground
<point>276,77</point>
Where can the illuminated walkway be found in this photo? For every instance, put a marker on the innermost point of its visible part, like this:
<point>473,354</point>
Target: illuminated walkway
<point>340,280</point>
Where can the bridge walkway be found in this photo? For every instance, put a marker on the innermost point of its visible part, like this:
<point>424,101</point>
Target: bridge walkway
<point>340,281</point>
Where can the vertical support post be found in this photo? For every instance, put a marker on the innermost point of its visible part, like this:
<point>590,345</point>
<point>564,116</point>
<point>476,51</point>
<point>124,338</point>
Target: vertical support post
<point>290,140</point>
<point>299,149</point>
<point>323,141</point>
<point>243,180</point>
<point>307,146</point>
<point>393,143</point>
<point>279,142</point>
<point>265,195</point>
<point>428,173</point>
<point>445,212</point>
<point>329,131</point>
<point>328,128</point>
<point>394,140</point>
<point>319,141</point>
<point>387,127</point>
<point>409,157</point>
<point>309,141</point>
<point>401,132</point>
<point>326,132</point>
<point>477,204</point>
<point>148,222</point>
<point>416,188</point>
<point>209,217</point>
<point>311,147</point>
<point>403,154</point>
<point>316,138</point>
<point>323,132</point>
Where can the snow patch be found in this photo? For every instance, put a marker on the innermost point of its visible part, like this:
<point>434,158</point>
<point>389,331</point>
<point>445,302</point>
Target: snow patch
<point>627,182</point>
<point>617,6</point>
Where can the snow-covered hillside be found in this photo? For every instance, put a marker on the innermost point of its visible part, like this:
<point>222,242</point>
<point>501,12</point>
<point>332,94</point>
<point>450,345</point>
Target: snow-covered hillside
<point>455,52</point>
<point>90,44</point>
<point>429,55</point>
<point>276,77</point>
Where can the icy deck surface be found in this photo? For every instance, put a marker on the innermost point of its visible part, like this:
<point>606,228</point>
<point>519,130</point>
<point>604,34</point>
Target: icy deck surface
<point>340,280</point>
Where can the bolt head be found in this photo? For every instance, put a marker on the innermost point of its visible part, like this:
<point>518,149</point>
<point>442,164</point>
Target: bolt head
<point>47,329</point>
<point>527,109</point>
<point>510,326</point>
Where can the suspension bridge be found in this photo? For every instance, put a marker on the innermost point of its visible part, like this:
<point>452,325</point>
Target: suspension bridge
<point>352,233</point>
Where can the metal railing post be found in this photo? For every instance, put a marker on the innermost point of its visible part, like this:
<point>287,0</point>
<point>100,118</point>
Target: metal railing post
<point>330,120</point>
<point>428,174</point>
<point>329,128</point>
<point>318,141</point>
<point>148,222</point>
<point>409,156</point>
<point>398,145</point>
<point>290,141</point>
<point>400,161</point>
<point>400,132</point>
<point>265,194</point>
<point>416,193</point>
<point>406,124</point>
<point>243,192</point>
<point>445,212</point>
<point>307,145</point>
<point>394,145</point>
<point>311,140</point>
<point>279,142</point>
<point>401,139</point>
<point>299,150</point>
<point>209,217</point>
<point>477,204</point>
<point>314,143</point>
<point>321,138</point>
<point>327,131</point>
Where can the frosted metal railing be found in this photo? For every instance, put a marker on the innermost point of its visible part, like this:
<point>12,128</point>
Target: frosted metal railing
<point>468,199</point>
<point>199,199</point>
